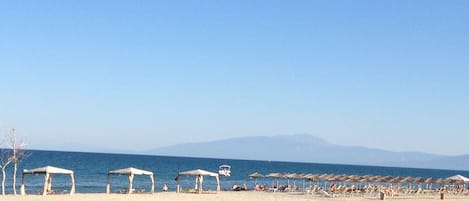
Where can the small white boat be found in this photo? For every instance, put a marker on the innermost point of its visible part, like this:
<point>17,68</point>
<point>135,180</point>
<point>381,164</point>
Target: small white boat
<point>224,170</point>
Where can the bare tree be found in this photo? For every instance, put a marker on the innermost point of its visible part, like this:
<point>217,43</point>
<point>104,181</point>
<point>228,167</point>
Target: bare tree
<point>17,147</point>
<point>5,160</point>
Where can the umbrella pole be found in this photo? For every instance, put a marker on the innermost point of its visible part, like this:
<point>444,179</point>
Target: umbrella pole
<point>46,179</point>
<point>22,190</point>
<point>200,186</point>
<point>303,185</point>
<point>152,179</point>
<point>108,185</point>
<point>49,184</point>
<point>72,178</point>
<point>131,180</point>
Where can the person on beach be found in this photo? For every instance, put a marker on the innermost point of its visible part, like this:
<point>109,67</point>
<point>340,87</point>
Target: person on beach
<point>257,187</point>
<point>165,188</point>
<point>332,188</point>
<point>244,187</point>
<point>235,187</point>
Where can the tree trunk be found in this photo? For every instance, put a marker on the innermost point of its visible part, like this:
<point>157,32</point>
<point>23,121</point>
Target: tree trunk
<point>3,180</point>
<point>15,169</point>
<point>15,161</point>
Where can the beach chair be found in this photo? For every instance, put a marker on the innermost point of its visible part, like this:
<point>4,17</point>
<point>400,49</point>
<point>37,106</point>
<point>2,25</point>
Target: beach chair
<point>312,190</point>
<point>326,194</point>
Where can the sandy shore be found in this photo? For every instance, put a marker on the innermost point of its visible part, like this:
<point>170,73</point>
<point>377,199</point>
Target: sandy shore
<point>222,196</point>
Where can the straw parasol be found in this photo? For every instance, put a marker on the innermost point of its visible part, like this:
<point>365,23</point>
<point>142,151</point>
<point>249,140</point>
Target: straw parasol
<point>442,181</point>
<point>324,176</point>
<point>302,177</point>
<point>397,179</point>
<point>353,178</point>
<point>408,180</point>
<point>308,176</point>
<point>255,175</point>
<point>274,176</point>
<point>384,179</point>
<point>290,176</point>
<point>419,180</point>
<point>341,178</point>
<point>371,178</point>
<point>430,180</point>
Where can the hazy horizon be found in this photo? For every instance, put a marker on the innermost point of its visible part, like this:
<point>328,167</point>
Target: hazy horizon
<point>122,75</point>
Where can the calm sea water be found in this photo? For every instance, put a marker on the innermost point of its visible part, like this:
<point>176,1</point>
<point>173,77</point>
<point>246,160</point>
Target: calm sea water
<point>91,171</point>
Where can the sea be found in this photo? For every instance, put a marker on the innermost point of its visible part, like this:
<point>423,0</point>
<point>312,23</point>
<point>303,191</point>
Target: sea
<point>91,171</point>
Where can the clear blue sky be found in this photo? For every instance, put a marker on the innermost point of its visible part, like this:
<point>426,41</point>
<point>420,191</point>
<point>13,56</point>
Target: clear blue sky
<point>136,75</point>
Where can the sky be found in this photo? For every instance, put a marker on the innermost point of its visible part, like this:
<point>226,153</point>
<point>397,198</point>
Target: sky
<point>136,75</point>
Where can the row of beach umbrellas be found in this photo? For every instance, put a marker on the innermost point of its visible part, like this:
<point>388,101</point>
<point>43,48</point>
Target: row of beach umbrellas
<point>363,178</point>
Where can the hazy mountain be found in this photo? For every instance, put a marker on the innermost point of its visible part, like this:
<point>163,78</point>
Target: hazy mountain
<point>306,148</point>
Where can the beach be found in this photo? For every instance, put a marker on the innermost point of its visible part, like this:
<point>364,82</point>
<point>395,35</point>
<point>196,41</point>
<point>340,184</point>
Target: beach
<point>221,196</point>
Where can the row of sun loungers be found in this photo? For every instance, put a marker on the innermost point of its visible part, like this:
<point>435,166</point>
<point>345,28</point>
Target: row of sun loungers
<point>370,191</point>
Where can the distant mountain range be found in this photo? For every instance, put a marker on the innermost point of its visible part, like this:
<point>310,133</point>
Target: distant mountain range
<point>307,148</point>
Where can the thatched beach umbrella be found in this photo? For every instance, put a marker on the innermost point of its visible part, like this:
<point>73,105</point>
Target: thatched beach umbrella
<point>341,178</point>
<point>409,181</point>
<point>313,178</point>
<point>384,179</point>
<point>357,179</point>
<point>293,176</point>
<point>396,180</point>
<point>296,176</point>
<point>419,180</point>
<point>399,180</point>
<point>324,176</point>
<point>308,176</point>
<point>302,177</point>
<point>289,176</point>
<point>274,176</point>
<point>364,180</point>
<point>370,178</point>
<point>442,181</point>
<point>353,178</point>
<point>255,175</point>
<point>429,182</point>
